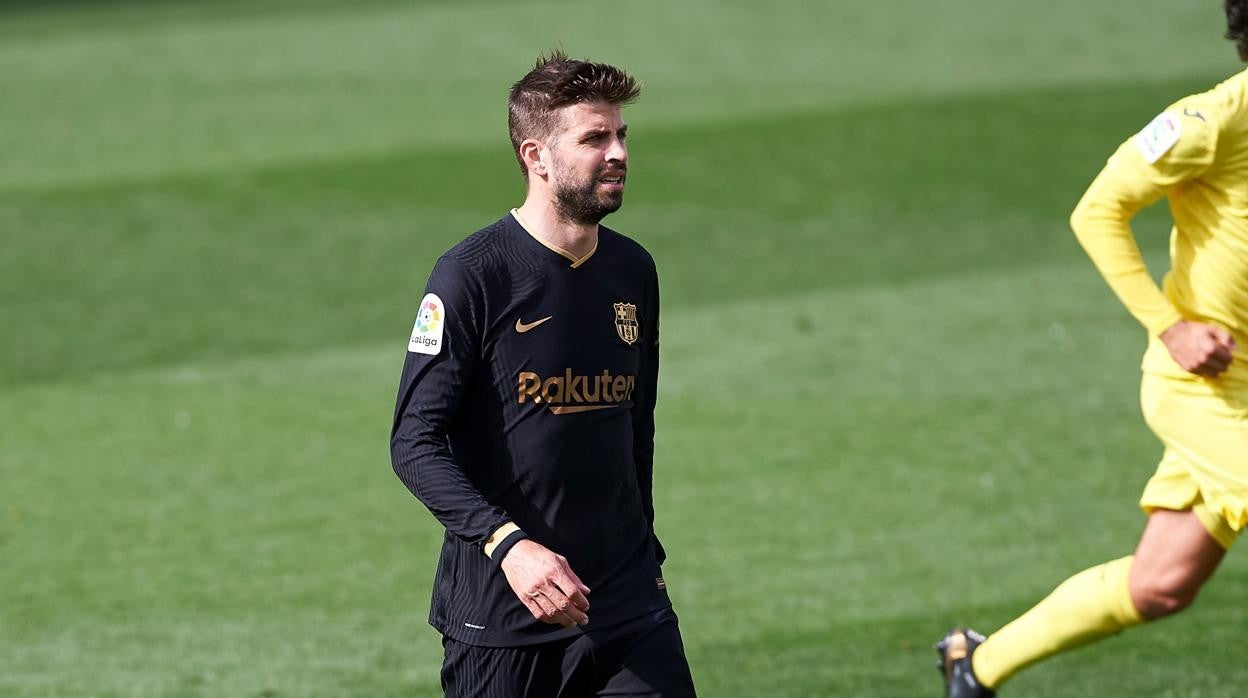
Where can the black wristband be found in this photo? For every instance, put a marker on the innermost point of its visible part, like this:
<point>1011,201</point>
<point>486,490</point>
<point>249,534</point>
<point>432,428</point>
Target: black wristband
<point>504,546</point>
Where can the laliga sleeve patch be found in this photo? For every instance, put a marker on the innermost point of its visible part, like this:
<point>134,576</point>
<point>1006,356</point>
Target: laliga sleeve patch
<point>427,334</point>
<point>1158,137</point>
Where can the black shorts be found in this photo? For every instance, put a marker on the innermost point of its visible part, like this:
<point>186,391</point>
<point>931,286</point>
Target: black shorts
<point>643,658</point>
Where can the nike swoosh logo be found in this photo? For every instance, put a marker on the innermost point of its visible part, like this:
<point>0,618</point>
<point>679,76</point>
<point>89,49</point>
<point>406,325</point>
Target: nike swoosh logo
<point>1196,114</point>
<point>523,327</point>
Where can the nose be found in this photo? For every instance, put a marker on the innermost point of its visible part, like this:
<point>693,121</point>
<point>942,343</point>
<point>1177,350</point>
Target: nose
<point>617,151</point>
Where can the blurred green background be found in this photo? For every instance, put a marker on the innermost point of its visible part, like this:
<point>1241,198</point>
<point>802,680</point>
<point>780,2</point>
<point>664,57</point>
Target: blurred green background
<point>895,395</point>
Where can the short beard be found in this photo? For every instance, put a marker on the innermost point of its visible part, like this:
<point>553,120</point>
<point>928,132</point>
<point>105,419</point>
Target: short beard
<point>581,203</point>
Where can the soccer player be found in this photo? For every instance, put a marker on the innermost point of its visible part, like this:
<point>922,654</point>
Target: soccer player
<point>1194,391</point>
<point>525,420</point>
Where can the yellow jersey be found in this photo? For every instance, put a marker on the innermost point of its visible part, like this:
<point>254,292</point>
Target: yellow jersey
<point>1195,153</point>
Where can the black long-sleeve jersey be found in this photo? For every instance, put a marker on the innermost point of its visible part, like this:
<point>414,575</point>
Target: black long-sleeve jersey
<point>528,396</point>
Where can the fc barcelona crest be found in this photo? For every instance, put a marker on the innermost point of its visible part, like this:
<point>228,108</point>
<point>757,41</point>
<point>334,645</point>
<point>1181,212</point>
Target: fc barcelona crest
<point>626,322</point>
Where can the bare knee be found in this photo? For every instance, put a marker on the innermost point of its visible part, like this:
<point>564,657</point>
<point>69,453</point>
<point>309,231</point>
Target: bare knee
<point>1174,559</point>
<point>1158,598</point>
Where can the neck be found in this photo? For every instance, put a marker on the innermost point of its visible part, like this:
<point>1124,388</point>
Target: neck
<point>544,223</point>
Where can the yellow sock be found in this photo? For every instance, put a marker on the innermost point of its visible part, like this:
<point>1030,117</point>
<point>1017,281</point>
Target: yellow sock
<point>1085,608</point>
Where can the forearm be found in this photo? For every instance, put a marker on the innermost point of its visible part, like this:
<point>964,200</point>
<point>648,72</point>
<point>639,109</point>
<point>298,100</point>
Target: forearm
<point>1101,223</point>
<point>643,411</point>
<point>430,473</point>
<point>427,469</point>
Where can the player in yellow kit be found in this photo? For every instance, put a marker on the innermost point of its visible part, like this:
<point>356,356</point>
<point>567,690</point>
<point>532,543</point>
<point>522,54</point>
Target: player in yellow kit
<point>1194,391</point>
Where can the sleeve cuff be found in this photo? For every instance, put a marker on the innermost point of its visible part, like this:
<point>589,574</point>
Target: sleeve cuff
<point>1162,321</point>
<point>502,540</point>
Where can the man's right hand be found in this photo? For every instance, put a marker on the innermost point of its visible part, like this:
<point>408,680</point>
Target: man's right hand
<point>545,584</point>
<point>1205,350</point>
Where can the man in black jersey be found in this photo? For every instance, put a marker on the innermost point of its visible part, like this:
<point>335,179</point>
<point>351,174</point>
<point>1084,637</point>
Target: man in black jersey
<point>525,420</point>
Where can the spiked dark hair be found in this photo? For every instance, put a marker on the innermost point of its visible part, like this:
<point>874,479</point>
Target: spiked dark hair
<point>556,82</point>
<point>1237,25</point>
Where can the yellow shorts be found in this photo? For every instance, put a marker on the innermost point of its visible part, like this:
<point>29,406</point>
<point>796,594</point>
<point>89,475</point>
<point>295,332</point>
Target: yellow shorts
<point>1204,426</point>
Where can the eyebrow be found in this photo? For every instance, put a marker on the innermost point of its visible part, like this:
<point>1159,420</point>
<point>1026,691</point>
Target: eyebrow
<point>595,132</point>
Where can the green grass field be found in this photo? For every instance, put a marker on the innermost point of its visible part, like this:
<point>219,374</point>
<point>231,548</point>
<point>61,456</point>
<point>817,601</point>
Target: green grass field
<point>895,395</point>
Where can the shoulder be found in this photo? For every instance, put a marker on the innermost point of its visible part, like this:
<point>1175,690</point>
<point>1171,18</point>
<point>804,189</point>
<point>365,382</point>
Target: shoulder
<point>624,249</point>
<point>1200,120</point>
<point>484,257</point>
<point>1185,136</point>
<point>460,271</point>
<point>484,248</point>
<point>1228,99</point>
